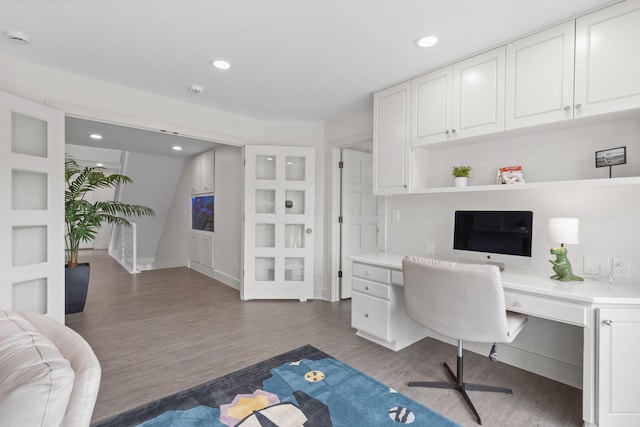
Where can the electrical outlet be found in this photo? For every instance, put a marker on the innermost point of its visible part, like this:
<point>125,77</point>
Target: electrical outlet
<point>621,267</point>
<point>596,266</point>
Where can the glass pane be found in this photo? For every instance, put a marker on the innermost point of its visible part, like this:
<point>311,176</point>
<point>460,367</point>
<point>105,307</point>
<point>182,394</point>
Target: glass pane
<point>266,201</point>
<point>28,135</point>
<point>30,295</point>
<point>297,199</point>
<point>294,169</point>
<point>265,235</point>
<point>293,269</point>
<point>29,245</point>
<point>28,190</point>
<point>265,269</point>
<point>265,167</point>
<point>294,236</point>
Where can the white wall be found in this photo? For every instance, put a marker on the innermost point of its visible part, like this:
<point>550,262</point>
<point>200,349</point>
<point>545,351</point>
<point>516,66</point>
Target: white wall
<point>173,247</point>
<point>93,99</point>
<point>155,179</point>
<point>228,214</point>
<point>608,216</point>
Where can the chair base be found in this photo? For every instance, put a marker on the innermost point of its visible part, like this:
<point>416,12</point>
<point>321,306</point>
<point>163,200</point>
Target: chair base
<point>462,387</point>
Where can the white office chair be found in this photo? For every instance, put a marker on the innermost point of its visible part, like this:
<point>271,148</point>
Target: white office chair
<point>461,301</point>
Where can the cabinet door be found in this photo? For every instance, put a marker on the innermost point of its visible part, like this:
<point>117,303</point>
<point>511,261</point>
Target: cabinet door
<point>539,78</point>
<point>205,250</point>
<point>432,96</point>
<point>195,174</point>
<point>207,171</point>
<point>618,368</point>
<point>391,139</point>
<point>478,94</point>
<point>194,247</point>
<point>607,60</point>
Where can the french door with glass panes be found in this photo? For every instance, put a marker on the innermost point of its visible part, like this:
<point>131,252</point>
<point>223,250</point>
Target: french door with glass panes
<point>278,223</point>
<point>32,209</point>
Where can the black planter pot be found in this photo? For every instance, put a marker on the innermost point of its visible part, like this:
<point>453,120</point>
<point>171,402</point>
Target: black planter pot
<point>76,284</point>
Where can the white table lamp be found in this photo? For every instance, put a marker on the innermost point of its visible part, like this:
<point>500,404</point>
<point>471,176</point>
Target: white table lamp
<point>563,230</point>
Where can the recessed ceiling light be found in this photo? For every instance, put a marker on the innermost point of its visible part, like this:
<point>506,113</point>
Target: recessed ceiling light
<point>177,147</point>
<point>427,41</point>
<point>95,136</point>
<point>100,165</point>
<point>221,64</point>
<point>17,37</point>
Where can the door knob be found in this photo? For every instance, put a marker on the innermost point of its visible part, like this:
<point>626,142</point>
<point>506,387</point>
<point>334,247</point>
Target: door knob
<point>578,106</point>
<point>309,230</point>
<point>607,322</point>
<point>567,108</point>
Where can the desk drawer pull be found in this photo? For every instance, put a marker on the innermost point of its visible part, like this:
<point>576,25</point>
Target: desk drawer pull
<point>607,322</point>
<point>366,315</point>
<point>366,287</point>
<point>516,304</point>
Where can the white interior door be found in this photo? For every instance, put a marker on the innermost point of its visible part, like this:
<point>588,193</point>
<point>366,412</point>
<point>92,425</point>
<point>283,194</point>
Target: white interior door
<point>32,208</point>
<point>279,207</point>
<point>359,231</point>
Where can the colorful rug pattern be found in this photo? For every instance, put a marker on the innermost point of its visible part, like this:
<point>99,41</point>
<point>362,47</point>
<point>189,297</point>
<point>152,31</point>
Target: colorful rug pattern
<point>301,388</point>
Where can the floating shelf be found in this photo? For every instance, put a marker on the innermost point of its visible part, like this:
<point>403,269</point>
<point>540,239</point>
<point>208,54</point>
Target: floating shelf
<point>553,185</point>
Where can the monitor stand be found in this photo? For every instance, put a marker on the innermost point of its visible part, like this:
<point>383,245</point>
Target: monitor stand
<point>500,265</point>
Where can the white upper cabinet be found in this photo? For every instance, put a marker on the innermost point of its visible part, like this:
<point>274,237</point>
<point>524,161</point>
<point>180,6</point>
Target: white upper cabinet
<point>432,96</point>
<point>540,77</point>
<point>202,169</point>
<point>462,100</point>
<point>478,94</point>
<point>391,121</point>
<point>608,60</point>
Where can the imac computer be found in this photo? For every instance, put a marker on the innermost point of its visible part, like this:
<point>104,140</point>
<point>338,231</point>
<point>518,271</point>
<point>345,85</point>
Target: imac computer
<point>494,232</point>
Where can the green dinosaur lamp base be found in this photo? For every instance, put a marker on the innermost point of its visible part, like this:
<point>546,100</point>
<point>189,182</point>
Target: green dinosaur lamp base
<point>562,266</point>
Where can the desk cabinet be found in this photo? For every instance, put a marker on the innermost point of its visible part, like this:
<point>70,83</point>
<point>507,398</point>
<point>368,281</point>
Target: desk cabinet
<point>618,369</point>
<point>377,307</point>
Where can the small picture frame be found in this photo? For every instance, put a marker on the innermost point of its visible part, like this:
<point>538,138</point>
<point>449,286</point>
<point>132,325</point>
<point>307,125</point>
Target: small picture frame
<point>611,157</point>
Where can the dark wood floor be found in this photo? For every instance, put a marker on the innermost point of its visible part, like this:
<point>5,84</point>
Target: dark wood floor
<point>161,331</point>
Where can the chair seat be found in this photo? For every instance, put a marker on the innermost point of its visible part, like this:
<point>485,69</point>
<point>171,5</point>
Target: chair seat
<point>515,323</point>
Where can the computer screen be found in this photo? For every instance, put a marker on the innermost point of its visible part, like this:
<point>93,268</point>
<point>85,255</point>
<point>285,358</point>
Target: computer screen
<point>497,232</point>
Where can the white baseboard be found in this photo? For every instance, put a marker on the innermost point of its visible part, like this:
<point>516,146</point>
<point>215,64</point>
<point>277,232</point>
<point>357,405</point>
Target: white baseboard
<point>144,264</point>
<point>230,281</point>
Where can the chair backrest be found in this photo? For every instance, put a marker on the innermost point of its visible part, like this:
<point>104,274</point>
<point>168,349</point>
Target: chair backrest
<point>458,300</point>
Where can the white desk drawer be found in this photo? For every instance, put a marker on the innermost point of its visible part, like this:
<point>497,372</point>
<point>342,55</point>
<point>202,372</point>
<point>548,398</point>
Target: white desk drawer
<point>547,308</point>
<point>371,315</point>
<point>369,272</point>
<point>397,278</point>
<point>371,288</point>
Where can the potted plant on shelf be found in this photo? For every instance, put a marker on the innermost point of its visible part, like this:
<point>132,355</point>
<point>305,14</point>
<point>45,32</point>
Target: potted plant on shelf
<point>461,175</point>
<point>83,220</point>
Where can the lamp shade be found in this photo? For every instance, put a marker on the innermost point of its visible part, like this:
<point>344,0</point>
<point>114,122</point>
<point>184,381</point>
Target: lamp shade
<point>563,230</point>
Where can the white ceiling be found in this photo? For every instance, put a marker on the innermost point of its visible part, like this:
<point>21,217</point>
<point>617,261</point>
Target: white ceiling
<point>117,137</point>
<point>292,60</point>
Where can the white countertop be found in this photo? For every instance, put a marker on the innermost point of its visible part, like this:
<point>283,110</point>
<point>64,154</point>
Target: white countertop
<point>590,291</point>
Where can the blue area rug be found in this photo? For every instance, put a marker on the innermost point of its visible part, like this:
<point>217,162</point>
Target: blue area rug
<point>303,388</point>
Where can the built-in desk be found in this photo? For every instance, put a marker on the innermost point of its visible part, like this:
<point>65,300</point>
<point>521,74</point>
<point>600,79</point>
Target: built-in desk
<point>609,315</point>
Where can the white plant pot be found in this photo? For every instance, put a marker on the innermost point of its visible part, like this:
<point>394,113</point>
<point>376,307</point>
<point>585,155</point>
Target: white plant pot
<point>460,181</point>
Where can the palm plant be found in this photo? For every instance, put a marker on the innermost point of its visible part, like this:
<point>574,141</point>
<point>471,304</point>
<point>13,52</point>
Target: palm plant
<point>83,218</point>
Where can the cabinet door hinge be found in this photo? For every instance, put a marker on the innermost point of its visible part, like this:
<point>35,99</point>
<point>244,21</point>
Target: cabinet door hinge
<point>340,219</point>
<point>340,164</point>
<point>339,274</point>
